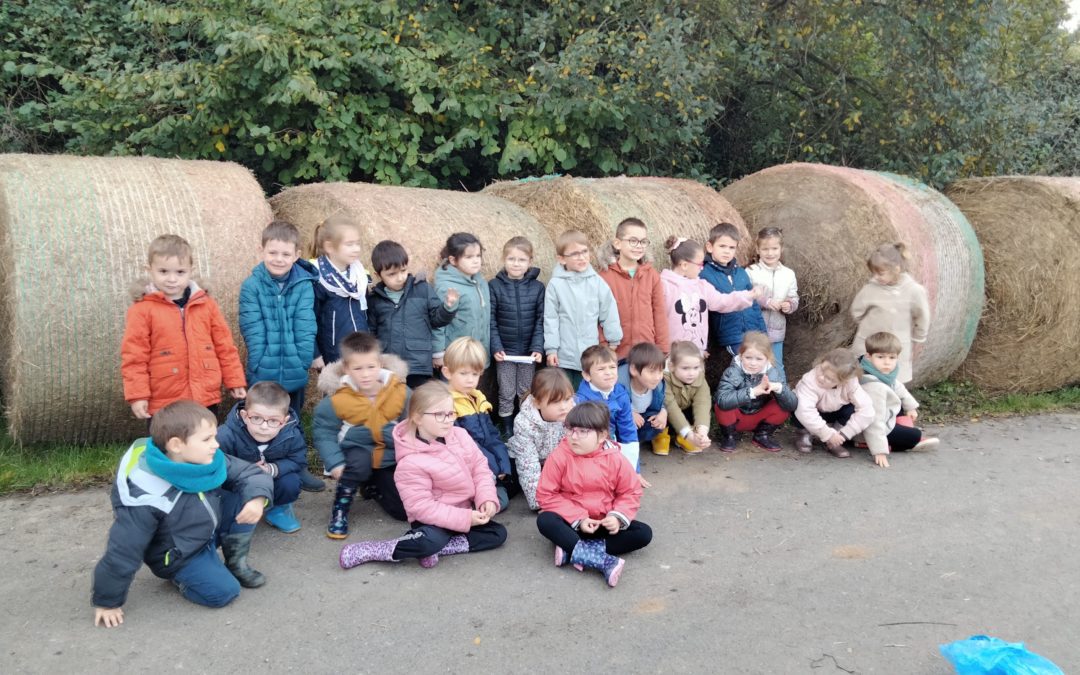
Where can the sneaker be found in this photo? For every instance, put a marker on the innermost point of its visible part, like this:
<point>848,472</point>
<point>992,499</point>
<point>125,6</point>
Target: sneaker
<point>283,518</point>
<point>925,444</point>
<point>310,483</point>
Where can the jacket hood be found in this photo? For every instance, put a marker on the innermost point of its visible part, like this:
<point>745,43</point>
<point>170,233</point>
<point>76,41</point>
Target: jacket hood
<point>530,274</point>
<point>406,442</point>
<point>453,275</point>
<point>561,272</point>
<point>732,265</point>
<point>904,280</point>
<point>332,376</point>
<point>143,288</point>
<point>679,280</point>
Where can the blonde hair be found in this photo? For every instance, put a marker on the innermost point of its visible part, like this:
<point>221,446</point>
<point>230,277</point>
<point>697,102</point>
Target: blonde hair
<point>465,352</point>
<point>425,397</point>
<point>564,240</point>
<point>842,362</point>
<point>682,349</point>
<point>170,246</point>
<point>521,244</point>
<point>331,230</point>
<point>888,256</point>
<point>754,339</point>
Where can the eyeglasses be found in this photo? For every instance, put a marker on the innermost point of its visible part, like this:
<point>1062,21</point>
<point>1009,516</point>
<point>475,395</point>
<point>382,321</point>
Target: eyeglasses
<point>574,432</point>
<point>577,254</point>
<point>635,242</point>
<point>271,422</point>
<point>442,416</point>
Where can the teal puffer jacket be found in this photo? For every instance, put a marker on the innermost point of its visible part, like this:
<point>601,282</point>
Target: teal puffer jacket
<point>277,321</point>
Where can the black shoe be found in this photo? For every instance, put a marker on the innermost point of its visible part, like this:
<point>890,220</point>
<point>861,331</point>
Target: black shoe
<point>763,437</point>
<point>310,483</point>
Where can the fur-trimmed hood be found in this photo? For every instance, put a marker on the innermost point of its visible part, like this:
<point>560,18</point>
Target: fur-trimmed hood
<point>330,377</point>
<point>142,287</point>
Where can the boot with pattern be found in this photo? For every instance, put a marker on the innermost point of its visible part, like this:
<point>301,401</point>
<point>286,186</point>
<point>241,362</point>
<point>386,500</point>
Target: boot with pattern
<point>367,551</point>
<point>592,553</point>
<point>339,512</point>
<point>457,544</point>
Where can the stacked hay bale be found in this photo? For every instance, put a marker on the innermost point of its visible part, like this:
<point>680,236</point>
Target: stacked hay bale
<point>1029,228</point>
<point>74,233</point>
<point>832,218</point>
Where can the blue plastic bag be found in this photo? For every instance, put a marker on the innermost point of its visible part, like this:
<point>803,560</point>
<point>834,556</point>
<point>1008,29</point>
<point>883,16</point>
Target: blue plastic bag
<point>982,655</point>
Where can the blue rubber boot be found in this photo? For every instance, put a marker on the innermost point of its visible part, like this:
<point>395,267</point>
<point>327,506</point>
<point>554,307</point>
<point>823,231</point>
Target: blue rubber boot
<point>592,553</point>
<point>283,518</point>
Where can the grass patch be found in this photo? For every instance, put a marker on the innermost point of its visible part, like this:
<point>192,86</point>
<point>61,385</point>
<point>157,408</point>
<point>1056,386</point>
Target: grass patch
<point>951,401</point>
<point>45,468</point>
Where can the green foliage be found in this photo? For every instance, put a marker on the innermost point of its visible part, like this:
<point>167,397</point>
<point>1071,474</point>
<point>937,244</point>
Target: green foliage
<point>35,468</point>
<point>957,401</point>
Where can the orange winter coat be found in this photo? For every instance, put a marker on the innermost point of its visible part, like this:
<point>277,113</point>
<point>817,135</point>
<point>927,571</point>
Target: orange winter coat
<point>642,306</point>
<point>169,353</point>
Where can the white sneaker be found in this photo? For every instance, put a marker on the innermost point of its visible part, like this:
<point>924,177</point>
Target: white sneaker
<point>926,444</point>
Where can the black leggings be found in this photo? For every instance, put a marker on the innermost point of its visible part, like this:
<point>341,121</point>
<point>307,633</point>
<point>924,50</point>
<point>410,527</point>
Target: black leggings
<point>424,540</point>
<point>840,416</point>
<point>904,438</point>
<point>554,528</point>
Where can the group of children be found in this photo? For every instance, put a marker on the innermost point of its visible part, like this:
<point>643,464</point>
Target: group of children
<point>404,420</point>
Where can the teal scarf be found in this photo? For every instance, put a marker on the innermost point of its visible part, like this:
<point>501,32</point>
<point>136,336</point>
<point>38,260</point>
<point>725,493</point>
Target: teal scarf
<point>869,369</point>
<point>191,478</point>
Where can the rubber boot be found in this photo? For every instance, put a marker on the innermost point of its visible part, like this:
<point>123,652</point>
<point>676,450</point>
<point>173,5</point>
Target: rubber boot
<point>561,559</point>
<point>729,438</point>
<point>457,544</point>
<point>687,447</point>
<point>661,443</point>
<point>763,437</point>
<point>803,442</point>
<point>310,483</point>
<point>339,512</point>
<point>592,553</point>
<point>283,518</point>
<point>367,551</point>
<point>235,548</point>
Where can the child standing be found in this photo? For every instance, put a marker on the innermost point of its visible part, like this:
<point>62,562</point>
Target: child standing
<point>753,396</point>
<point>723,271</point>
<point>577,305</point>
<point>832,405</point>
<point>637,289</point>
<point>403,311</point>
<point>690,297</point>
<point>517,324</point>
<point>890,399</point>
<point>262,430</point>
<point>351,427</point>
<point>176,344</point>
<point>459,271</point>
<point>538,428</point>
<point>892,302</point>
<point>174,496</point>
<point>780,283</point>
<point>465,359</point>
<point>341,292</point>
<point>445,485</point>
<point>687,398</point>
<point>589,496</point>
<point>643,377</point>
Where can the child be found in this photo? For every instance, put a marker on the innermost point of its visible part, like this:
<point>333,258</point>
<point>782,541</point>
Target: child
<point>538,428</point>
<point>723,271</point>
<point>688,296</point>
<point>445,485</point>
<point>403,311</point>
<point>890,399</point>
<point>600,371</point>
<point>364,398</point>
<point>892,302</point>
<point>643,377</point>
<point>752,396</point>
<point>341,292</point>
<point>517,324</point>
<point>576,304</point>
<point>832,405</point>
<point>175,494</point>
<point>176,342</point>
<point>460,272</point>
<point>637,289</point>
<point>262,430</point>
<point>589,496</point>
<point>464,363</point>
<point>687,398</point>
<point>782,296</point>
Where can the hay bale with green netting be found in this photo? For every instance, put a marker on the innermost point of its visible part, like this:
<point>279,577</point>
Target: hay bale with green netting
<point>1029,228</point>
<point>595,206</point>
<point>832,218</point>
<point>74,233</point>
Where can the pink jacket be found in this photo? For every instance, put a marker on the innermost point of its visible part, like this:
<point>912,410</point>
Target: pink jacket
<point>689,302</point>
<point>441,483</point>
<point>594,485</point>
<point>815,399</point>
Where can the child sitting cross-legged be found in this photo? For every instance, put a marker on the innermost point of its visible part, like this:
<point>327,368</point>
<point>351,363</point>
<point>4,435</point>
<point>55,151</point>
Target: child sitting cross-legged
<point>752,395</point>
<point>643,377</point>
<point>589,495</point>
<point>176,497</point>
<point>538,428</point>
<point>600,373</point>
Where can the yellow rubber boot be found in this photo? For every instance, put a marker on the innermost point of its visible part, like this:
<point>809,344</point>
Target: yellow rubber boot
<point>687,447</point>
<point>661,445</point>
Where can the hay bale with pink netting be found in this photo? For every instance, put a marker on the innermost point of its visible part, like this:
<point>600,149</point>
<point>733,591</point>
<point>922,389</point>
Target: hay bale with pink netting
<point>1029,228</point>
<point>832,218</point>
<point>74,232</point>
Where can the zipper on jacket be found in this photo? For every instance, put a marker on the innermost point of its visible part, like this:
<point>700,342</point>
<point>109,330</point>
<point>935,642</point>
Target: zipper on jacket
<point>333,327</point>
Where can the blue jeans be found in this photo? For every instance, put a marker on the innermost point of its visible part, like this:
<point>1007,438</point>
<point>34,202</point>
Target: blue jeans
<point>778,354</point>
<point>206,581</point>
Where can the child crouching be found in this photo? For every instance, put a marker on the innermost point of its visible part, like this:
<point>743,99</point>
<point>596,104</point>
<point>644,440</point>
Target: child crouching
<point>643,377</point>
<point>445,484</point>
<point>832,405</point>
<point>538,428</point>
<point>589,495</point>
<point>752,395</point>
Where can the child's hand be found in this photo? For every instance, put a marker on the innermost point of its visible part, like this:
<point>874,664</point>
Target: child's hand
<point>239,393</point>
<point>437,363</point>
<point>336,472</point>
<point>835,441</point>
<point>639,421</point>
<point>110,618</point>
<point>700,437</point>
<point>479,518</point>
<point>774,305</point>
<point>611,524</point>
<point>489,509</point>
<point>588,525</point>
<point>553,360</point>
<point>762,388</point>
<point>644,483</point>
<point>537,357</point>
<point>499,356</point>
<point>452,297</point>
<point>252,512</point>
<point>882,461</point>
<point>914,415</point>
<point>785,307</point>
<point>264,466</point>
<point>659,420</point>
<point>760,294</point>
<point>141,409</point>
<point>318,363</point>
<point>776,387</point>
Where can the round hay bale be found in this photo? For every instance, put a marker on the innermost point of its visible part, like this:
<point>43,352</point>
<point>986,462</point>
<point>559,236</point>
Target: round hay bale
<point>74,231</point>
<point>832,218</point>
<point>1029,228</point>
<point>668,206</point>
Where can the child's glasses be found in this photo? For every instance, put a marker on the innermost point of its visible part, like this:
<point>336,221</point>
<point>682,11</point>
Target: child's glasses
<point>584,253</point>
<point>575,432</point>
<point>271,422</point>
<point>635,242</point>
<point>441,416</point>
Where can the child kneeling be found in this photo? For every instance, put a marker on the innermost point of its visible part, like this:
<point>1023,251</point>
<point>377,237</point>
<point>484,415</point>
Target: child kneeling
<point>589,495</point>
<point>445,484</point>
<point>752,395</point>
<point>175,498</point>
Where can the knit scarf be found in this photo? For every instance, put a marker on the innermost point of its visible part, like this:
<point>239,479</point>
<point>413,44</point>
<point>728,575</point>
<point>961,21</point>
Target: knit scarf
<point>339,284</point>
<point>191,478</point>
<point>356,409</point>
<point>869,368</point>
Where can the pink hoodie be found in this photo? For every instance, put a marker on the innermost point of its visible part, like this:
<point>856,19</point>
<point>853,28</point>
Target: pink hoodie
<point>689,302</point>
<point>814,398</point>
<point>441,483</point>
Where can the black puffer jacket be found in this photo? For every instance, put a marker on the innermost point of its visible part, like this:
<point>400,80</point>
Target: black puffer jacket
<point>517,314</point>
<point>733,391</point>
<point>404,328</point>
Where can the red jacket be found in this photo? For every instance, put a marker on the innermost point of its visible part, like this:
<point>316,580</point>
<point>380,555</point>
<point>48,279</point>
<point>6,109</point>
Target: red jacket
<point>168,353</point>
<point>642,306</point>
<point>593,485</point>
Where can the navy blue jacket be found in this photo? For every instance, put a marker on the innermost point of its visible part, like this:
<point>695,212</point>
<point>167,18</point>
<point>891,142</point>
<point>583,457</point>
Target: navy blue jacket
<point>473,416</point>
<point>727,329</point>
<point>336,317</point>
<point>404,328</point>
<point>517,314</point>
<point>288,450</point>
